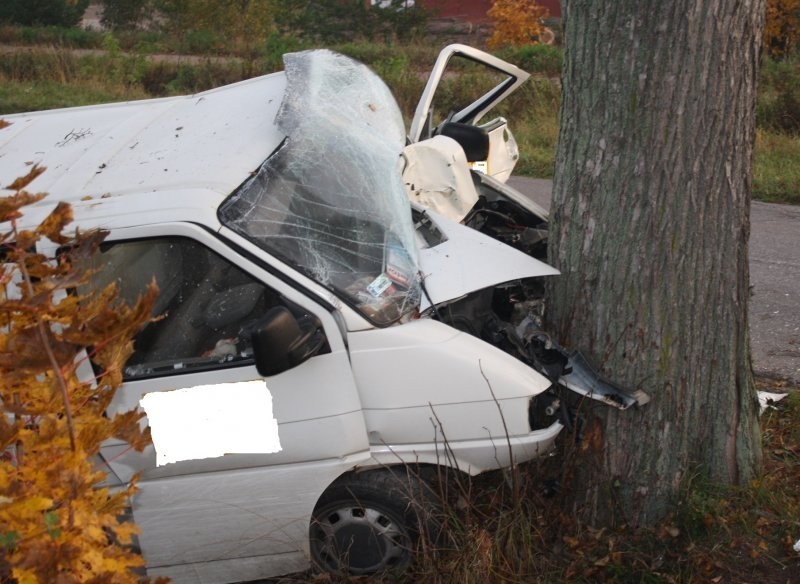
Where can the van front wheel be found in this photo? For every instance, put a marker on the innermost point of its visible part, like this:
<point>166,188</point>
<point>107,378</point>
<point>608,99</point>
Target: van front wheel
<point>368,523</point>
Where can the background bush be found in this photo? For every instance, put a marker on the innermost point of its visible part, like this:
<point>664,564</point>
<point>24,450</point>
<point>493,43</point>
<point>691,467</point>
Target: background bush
<point>542,59</point>
<point>124,14</point>
<point>782,27</point>
<point>211,24</point>
<point>42,12</point>
<point>337,21</point>
<point>779,95</point>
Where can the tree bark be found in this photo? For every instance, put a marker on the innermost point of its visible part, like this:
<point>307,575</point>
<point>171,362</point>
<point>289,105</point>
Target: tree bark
<point>650,228</point>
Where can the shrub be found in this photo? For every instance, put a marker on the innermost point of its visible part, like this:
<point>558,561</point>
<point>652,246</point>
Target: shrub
<point>78,38</point>
<point>543,59</point>
<point>516,23</point>
<point>43,12</point>
<point>782,27</point>
<point>338,21</point>
<point>242,22</point>
<point>57,523</point>
<point>201,42</point>
<point>277,45</point>
<point>50,35</point>
<point>124,14</point>
<point>368,53</point>
<point>779,96</point>
<point>398,19</point>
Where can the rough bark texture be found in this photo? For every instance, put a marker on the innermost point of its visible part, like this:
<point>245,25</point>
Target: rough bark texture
<point>650,228</point>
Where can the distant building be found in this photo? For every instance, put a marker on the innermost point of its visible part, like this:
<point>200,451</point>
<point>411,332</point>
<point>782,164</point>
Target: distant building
<point>474,11</point>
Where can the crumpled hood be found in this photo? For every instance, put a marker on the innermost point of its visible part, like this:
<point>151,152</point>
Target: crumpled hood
<point>468,261</point>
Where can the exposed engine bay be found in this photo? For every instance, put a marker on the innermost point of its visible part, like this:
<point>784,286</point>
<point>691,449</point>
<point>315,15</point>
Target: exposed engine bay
<point>508,222</point>
<point>510,315</point>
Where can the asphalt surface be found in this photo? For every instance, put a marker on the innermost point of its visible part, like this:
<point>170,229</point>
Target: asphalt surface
<point>774,277</point>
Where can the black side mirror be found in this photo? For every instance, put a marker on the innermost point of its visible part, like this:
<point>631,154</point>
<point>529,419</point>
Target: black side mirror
<point>474,140</point>
<point>280,343</point>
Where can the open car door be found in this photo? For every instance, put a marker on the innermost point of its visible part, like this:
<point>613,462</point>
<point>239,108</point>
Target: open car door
<point>490,147</point>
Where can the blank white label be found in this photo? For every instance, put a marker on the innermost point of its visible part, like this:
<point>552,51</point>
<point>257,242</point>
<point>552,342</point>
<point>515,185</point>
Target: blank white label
<point>209,421</point>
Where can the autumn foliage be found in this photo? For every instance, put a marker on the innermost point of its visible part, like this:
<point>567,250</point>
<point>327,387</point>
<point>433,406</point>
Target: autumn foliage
<point>57,524</point>
<point>782,27</point>
<point>516,23</point>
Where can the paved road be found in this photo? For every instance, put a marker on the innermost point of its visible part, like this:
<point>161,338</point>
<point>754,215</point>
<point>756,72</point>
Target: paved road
<point>774,275</point>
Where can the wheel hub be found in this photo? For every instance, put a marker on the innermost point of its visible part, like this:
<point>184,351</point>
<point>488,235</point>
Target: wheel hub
<point>361,541</point>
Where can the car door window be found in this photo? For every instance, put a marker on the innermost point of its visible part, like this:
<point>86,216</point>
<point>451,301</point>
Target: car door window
<point>206,309</point>
<point>466,82</point>
<point>463,86</point>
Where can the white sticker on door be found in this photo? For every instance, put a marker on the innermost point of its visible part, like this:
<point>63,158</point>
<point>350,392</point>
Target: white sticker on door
<point>209,421</point>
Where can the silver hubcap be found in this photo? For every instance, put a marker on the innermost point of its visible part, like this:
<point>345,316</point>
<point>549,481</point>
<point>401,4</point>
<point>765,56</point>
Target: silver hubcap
<point>359,540</point>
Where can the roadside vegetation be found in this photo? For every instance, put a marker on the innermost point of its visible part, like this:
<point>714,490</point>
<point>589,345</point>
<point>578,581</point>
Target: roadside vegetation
<point>59,521</point>
<point>52,67</point>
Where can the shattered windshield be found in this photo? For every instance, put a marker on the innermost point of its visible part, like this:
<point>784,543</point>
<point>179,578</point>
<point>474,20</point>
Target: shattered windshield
<point>331,200</point>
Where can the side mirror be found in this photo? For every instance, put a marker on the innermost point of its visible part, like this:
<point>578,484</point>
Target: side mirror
<point>474,140</point>
<point>280,343</point>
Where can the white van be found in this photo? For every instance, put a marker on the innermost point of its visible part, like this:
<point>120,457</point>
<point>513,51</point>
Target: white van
<point>340,303</point>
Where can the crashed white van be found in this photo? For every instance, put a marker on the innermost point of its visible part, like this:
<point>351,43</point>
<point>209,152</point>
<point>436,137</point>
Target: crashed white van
<point>341,300</point>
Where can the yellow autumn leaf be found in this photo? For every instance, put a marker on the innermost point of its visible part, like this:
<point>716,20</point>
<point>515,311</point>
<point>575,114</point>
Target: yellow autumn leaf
<point>24,181</point>
<point>25,576</point>
<point>51,505</point>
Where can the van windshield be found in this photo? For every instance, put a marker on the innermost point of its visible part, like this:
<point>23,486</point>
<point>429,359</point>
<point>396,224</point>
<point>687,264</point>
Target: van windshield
<point>330,200</point>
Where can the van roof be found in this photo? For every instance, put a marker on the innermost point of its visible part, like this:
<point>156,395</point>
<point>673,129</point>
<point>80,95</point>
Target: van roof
<point>210,141</point>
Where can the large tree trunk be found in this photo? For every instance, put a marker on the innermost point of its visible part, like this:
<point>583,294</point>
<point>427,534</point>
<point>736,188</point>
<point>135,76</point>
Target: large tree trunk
<point>650,227</point>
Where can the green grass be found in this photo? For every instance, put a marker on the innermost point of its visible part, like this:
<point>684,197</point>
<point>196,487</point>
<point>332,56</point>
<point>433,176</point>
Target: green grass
<point>776,171</point>
<point>76,38</point>
<point>536,133</point>
<point>39,95</point>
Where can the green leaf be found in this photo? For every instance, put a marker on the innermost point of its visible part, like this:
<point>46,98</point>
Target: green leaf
<point>52,522</point>
<point>9,539</point>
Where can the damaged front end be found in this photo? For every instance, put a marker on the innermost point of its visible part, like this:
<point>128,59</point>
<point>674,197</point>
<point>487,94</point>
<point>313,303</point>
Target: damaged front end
<point>509,316</point>
<point>455,168</point>
<point>333,200</point>
<point>493,288</point>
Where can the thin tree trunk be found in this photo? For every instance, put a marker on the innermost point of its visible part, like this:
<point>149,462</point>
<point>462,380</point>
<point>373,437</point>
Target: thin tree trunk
<point>650,228</point>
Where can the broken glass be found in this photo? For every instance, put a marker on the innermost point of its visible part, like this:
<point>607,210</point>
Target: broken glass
<point>331,201</point>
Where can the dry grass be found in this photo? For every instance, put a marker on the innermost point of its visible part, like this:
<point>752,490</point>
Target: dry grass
<point>717,534</point>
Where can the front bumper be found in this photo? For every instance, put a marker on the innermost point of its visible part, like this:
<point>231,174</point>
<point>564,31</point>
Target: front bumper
<point>471,456</point>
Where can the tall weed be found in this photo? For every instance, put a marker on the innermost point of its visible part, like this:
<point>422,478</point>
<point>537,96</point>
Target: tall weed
<point>42,65</point>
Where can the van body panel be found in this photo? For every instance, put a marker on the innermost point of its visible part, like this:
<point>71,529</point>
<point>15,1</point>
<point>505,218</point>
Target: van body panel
<point>210,140</point>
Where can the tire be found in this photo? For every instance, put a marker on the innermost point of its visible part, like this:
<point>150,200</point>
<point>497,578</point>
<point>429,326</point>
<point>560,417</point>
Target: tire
<point>369,523</point>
